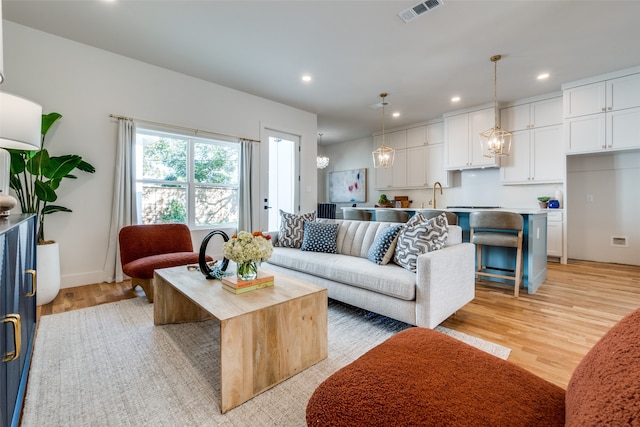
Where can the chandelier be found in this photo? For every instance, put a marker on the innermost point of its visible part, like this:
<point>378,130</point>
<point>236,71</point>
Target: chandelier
<point>322,161</point>
<point>495,142</point>
<point>383,156</point>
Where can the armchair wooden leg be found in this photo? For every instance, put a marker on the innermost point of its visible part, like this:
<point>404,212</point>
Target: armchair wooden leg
<point>146,285</point>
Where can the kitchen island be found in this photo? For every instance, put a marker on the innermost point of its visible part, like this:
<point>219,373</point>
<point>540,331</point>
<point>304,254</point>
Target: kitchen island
<point>534,241</point>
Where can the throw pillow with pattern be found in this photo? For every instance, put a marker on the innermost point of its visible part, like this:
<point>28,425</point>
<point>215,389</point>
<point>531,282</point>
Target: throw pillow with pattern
<point>384,245</point>
<point>292,228</point>
<point>320,237</point>
<point>418,238</point>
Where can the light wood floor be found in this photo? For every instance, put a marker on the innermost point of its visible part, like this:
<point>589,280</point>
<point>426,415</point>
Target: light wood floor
<point>549,332</point>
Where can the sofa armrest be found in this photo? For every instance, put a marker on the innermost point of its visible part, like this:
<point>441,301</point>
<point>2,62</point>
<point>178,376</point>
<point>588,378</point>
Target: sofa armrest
<point>445,282</point>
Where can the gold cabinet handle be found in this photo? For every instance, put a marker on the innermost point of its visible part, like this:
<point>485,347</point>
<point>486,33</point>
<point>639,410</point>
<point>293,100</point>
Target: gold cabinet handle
<point>17,337</point>
<point>34,283</point>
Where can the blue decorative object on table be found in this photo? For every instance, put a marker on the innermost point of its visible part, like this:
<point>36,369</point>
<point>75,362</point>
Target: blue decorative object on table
<point>554,204</point>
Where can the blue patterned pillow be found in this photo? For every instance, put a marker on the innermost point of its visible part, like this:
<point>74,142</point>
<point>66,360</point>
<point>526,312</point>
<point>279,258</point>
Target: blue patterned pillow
<point>320,237</point>
<point>383,247</point>
<point>292,228</point>
<point>418,238</point>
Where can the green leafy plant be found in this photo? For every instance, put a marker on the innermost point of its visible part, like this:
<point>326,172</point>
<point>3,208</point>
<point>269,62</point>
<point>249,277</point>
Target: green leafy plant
<point>383,199</point>
<point>35,176</point>
<point>544,199</point>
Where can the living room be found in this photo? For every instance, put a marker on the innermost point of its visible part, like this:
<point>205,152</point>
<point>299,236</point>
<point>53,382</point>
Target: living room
<point>87,85</point>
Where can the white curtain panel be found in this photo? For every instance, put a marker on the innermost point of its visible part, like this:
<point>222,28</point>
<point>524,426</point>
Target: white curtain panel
<point>245,205</point>
<point>123,206</point>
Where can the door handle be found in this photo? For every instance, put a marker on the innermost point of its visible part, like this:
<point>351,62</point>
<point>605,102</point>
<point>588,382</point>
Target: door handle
<point>17,337</point>
<point>34,283</point>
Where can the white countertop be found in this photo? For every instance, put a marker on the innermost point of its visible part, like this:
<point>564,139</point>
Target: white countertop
<point>530,211</point>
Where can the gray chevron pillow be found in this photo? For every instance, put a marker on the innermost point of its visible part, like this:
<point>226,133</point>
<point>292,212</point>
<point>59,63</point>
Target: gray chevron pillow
<point>292,228</point>
<point>419,237</point>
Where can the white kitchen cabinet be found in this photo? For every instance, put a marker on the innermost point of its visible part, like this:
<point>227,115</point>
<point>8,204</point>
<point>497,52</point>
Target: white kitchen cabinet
<point>462,139</point>
<point>554,234</point>
<point>417,137</point>
<point>384,179</point>
<point>547,112</point>
<point>419,165</point>
<point>435,165</point>
<point>396,140</point>
<point>537,157</point>
<point>603,115</point>
<point>425,135</point>
<point>399,170</point>
<point>613,130</point>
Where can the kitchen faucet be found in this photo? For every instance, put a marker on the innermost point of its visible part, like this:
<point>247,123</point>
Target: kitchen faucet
<point>437,183</point>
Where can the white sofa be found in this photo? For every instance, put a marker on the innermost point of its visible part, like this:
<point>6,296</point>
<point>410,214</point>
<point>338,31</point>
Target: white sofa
<point>443,283</point>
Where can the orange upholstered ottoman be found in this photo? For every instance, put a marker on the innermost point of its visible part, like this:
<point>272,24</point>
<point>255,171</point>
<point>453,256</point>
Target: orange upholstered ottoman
<point>423,377</point>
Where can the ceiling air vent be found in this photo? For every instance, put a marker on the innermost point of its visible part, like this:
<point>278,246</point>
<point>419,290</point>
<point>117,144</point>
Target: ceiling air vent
<point>419,9</point>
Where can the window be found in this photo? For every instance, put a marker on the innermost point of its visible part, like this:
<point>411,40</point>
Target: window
<point>186,179</point>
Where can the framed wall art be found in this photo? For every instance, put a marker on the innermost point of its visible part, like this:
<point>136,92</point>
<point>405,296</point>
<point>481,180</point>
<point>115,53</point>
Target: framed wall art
<point>348,186</point>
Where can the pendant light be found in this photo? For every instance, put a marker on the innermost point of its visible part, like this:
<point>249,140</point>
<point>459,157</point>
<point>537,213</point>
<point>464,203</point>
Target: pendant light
<point>383,156</point>
<point>495,142</point>
<point>322,161</point>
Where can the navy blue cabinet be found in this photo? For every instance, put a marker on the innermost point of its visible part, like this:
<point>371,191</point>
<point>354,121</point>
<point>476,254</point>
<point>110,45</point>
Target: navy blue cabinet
<point>17,311</point>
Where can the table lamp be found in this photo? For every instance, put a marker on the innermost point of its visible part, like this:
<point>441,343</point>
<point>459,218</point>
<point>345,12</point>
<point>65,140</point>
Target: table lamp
<point>20,128</point>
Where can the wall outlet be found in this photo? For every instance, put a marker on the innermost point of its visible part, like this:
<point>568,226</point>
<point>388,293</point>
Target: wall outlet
<point>589,198</point>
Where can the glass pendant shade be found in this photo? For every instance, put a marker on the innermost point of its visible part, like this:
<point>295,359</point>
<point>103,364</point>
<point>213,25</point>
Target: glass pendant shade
<point>383,156</point>
<point>495,142</point>
<point>322,161</point>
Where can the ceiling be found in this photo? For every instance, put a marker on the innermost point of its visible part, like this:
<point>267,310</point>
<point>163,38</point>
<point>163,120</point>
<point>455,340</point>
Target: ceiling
<point>354,50</point>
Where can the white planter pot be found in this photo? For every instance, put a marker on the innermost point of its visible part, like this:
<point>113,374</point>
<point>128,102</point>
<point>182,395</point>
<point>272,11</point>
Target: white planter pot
<point>48,273</point>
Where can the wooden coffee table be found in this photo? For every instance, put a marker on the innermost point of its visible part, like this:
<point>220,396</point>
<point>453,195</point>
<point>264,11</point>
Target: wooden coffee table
<point>266,335</point>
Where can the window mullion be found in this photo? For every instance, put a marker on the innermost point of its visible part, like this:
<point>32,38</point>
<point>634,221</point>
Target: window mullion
<point>191,187</point>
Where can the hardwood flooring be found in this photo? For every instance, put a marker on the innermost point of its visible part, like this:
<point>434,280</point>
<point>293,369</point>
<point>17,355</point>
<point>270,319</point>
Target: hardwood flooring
<point>548,332</point>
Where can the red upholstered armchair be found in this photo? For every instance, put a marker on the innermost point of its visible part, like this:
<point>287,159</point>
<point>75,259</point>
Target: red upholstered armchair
<point>144,248</point>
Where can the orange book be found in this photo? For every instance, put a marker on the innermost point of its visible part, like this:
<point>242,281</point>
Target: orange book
<point>234,282</point>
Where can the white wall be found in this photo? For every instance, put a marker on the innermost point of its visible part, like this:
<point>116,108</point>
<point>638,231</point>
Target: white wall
<point>349,155</point>
<point>611,181</point>
<point>85,85</point>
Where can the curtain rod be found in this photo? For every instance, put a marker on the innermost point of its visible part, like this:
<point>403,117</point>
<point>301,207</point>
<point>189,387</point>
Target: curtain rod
<point>196,131</point>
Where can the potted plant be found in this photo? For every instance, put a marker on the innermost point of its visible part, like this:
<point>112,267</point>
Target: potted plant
<point>543,201</point>
<point>384,202</point>
<point>35,177</point>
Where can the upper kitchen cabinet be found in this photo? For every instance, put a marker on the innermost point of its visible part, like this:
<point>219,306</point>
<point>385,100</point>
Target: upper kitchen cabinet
<point>396,140</point>
<point>537,149</point>
<point>462,139</point>
<point>420,164</point>
<point>602,113</point>
<point>536,114</point>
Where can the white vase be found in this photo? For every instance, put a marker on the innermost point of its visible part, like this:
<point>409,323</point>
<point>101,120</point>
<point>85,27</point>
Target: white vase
<point>48,273</point>
<point>559,198</point>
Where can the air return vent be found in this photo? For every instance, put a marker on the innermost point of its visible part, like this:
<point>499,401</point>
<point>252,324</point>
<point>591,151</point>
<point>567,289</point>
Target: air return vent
<point>419,9</point>
<point>619,241</point>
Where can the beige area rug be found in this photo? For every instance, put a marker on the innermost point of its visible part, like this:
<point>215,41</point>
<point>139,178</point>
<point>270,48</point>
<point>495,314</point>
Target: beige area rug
<point>109,365</point>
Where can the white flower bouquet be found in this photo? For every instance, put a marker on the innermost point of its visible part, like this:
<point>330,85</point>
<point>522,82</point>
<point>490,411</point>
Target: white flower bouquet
<point>247,250</point>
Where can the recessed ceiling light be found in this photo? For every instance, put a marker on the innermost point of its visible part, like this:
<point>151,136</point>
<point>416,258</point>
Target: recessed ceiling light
<point>306,78</point>
<point>396,114</point>
<point>543,76</point>
<point>455,99</point>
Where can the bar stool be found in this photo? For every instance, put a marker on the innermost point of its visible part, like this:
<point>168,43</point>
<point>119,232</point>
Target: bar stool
<point>452,219</point>
<point>497,229</point>
<point>356,214</point>
<point>387,215</point>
